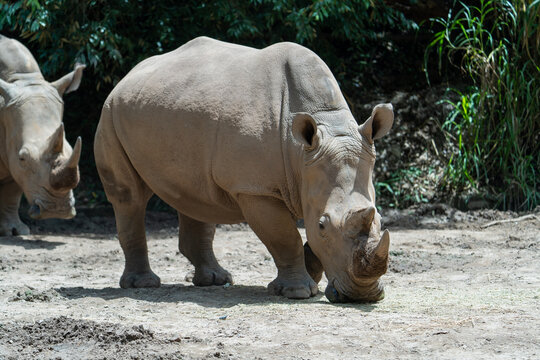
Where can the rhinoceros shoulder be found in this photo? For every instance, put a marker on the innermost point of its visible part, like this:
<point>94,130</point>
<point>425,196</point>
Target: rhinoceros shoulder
<point>311,84</point>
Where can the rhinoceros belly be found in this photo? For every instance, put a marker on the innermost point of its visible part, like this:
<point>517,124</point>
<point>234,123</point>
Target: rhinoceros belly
<point>172,152</point>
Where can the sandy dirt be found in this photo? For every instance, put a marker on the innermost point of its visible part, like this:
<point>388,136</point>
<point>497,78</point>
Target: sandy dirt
<point>453,290</point>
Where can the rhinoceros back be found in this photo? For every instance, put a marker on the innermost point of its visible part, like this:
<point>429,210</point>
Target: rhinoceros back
<point>205,121</point>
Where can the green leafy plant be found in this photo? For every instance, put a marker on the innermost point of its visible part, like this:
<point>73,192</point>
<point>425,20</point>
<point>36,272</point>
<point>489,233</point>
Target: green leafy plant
<point>495,126</point>
<point>404,188</point>
<point>112,36</point>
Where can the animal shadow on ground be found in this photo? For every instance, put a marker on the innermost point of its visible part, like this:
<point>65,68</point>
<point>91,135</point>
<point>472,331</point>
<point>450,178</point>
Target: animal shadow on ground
<point>29,244</point>
<point>211,296</point>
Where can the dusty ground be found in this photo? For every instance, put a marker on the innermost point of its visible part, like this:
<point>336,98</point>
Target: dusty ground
<point>454,290</point>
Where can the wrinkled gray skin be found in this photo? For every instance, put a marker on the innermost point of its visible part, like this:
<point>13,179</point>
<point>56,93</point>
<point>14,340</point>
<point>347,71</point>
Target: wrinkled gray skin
<point>226,133</point>
<point>35,158</point>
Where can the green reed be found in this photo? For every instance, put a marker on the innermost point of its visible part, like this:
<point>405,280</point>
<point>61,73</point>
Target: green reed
<point>494,128</point>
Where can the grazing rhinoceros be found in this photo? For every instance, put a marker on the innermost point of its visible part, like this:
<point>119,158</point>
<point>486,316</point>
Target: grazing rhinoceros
<point>35,158</point>
<point>226,133</point>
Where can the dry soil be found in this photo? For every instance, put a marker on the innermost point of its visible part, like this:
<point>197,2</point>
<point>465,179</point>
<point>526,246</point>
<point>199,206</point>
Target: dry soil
<point>453,290</point>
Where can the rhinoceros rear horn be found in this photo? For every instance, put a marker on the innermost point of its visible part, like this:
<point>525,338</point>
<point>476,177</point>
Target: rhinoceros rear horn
<point>66,175</point>
<point>359,221</point>
<point>369,215</point>
<point>56,140</point>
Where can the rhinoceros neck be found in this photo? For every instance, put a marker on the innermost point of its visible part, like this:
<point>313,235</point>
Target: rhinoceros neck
<point>291,153</point>
<point>27,79</point>
<point>339,121</point>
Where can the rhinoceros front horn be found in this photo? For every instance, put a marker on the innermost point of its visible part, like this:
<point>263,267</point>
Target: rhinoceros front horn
<point>382,248</point>
<point>374,263</point>
<point>66,175</point>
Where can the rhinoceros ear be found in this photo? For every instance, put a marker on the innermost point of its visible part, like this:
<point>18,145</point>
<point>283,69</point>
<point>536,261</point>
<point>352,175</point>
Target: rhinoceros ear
<point>7,91</point>
<point>304,129</point>
<point>71,81</point>
<point>379,123</point>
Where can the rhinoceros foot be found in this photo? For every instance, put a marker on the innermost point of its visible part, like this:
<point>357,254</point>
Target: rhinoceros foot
<point>139,280</point>
<point>294,288</point>
<point>207,276</point>
<point>14,228</point>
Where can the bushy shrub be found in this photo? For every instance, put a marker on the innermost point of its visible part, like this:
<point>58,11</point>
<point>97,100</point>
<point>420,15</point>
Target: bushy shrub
<point>111,36</point>
<point>495,126</point>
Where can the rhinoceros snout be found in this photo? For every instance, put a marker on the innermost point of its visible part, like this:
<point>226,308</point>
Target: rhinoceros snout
<point>35,212</point>
<point>369,294</point>
<point>39,211</point>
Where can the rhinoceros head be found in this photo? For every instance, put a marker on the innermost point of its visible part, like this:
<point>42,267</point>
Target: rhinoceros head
<point>39,158</point>
<point>338,202</point>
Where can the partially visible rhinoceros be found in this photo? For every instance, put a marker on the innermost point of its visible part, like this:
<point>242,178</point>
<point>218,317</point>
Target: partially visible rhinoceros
<point>35,158</point>
<point>226,133</point>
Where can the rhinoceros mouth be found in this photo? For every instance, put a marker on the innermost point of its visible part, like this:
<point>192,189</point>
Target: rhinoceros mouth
<point>361,294</point>
<point>45,210</point>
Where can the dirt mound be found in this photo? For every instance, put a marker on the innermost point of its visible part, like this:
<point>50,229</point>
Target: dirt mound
<point>28,293</point>
<point>83,339</point>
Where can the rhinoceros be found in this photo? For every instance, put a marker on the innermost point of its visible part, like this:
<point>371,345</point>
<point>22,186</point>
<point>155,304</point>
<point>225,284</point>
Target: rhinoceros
<point>35,157</point>
<point>224,134</point>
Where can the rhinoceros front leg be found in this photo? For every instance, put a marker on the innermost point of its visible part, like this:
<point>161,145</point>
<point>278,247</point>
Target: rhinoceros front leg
<point>275,226</point>
<point>10,223</point>
<point>195,242</point>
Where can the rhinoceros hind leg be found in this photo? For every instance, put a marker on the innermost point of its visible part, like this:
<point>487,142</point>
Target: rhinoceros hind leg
<point>131,233</point>
<point>10,223</point>
<point>275,226</point>
<point>129,195</point>
<point>195,242</point>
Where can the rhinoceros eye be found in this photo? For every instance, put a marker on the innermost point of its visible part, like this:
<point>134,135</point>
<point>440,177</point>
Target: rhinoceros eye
<point>323,222</point>
<point>23,155</point>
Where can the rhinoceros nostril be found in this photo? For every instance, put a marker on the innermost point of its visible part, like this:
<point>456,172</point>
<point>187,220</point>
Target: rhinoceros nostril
<point>332,294</point>
<point>35,211</point>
